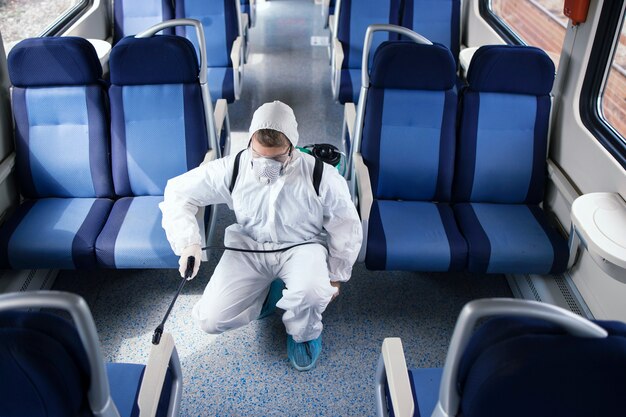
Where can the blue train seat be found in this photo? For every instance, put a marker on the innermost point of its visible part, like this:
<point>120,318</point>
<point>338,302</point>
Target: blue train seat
<point>352,20</point>
<point>158,131</point>
<point>437,20</point>
<point>132,17</point>
<point>62,155</point>
<point>52,366</point>
<point>405,162</point>
<point>501,163</point>
<point>224,43</point>
<point>529,359</point>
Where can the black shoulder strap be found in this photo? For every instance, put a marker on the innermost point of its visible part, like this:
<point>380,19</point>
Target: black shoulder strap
<point>233,180</point>
<point>318,170</point>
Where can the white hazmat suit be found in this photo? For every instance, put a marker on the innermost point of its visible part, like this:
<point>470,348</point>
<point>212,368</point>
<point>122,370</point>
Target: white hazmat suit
<point>283,213</point>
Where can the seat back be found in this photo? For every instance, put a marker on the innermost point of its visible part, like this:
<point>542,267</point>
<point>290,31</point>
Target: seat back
<point>518,367</point>
<point>502,147</point>
<point>409,122</point>
<point>61,129</point>
<point>29,343</point>
<point>54,367</point>
<point>437,20</point>
<point>220,20</point>
<point>157,113</point>
<point>355,17</point>
<point>132,17</point>
<point>50,366</point>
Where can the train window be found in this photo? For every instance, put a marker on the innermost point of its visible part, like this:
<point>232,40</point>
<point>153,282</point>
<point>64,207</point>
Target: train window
<point>19,19</point>
<point>613,96</point>
<point>603,96</point>
<point>539,23</point>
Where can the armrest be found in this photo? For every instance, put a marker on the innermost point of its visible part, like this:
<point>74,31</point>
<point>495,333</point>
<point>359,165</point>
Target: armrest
<point>244,21</point>
<point>363,186</point>
<point>336,62</point>
<point>154,376</point>
<point>337,54</point>
<point>235,53</point>
<point>220,113</point>
<point>349,119</point>
<point>397,377</point>
<point>365,198</point>
<point>209,156</point>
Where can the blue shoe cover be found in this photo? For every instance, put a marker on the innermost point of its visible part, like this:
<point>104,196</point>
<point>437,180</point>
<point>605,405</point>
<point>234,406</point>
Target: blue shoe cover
<point>303,356</point>
<point>275,294</point>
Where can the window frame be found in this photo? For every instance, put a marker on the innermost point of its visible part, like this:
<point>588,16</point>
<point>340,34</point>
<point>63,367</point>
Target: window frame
<point>502,29</point>
<point>66,19</point>
<point>605,44</point>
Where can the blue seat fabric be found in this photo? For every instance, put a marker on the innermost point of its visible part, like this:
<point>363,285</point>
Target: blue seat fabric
<point>158,132</point>
<point>62,155</point>
<point>501,158</point>
<point>352,24</point>
<point>125,381</point>
<point>220,22</point>
<point>132,17</point>
<point>521,367</point>
<point>414,236</point>
<point>408,148</point>
<point>31,385</point>
<point>437,20</point>
<point>511,238</point>
<point>53,233</point>
<point>133,236</point>
<point>42,356</point>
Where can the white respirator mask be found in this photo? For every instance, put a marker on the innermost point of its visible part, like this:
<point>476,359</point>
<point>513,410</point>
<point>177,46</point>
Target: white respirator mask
<point>267,170</point>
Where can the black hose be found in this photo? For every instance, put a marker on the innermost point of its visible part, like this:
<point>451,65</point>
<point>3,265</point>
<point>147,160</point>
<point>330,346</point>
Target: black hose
<point>257,250</point>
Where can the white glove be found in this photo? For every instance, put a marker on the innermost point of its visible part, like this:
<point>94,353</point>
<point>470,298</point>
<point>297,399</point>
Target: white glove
<point>196,252</point>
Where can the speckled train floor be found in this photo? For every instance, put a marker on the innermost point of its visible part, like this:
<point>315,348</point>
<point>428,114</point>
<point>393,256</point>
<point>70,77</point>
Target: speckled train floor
<point>246,372</point>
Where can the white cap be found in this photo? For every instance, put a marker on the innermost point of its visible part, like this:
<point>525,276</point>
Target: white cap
<point>276,116</point>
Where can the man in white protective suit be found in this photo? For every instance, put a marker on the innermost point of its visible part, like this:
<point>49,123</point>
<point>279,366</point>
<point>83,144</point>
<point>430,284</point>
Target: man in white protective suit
<point>277,206</point>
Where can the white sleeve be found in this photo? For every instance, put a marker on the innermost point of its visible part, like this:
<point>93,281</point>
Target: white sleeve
<point>202,186</point>
<point>342,223</point>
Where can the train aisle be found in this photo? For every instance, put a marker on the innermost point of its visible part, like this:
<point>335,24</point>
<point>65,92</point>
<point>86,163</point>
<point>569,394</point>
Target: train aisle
<point>246,372</point>
<point>283,65</point>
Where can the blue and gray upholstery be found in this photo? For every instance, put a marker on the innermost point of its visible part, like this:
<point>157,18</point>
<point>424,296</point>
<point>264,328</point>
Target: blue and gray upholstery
<point>437,20</point>
<point>158,131</point>
<point>48,368</point>
<point>519,365</point>
<point>353,20</point>
<point>408,147</point>
<point>62,155</point>
<point>220,21</point>
<point>501,163</point>
<point>132,17</point>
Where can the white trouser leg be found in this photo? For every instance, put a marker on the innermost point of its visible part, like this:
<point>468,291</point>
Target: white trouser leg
<point>235,293</point>
<point>305,272</point>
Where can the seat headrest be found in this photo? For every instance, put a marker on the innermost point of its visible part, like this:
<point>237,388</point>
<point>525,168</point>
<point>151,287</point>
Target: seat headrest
<point>161,59</point>
<point>38,62</point>
<point>413,66</point>
<point>511,69</point>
